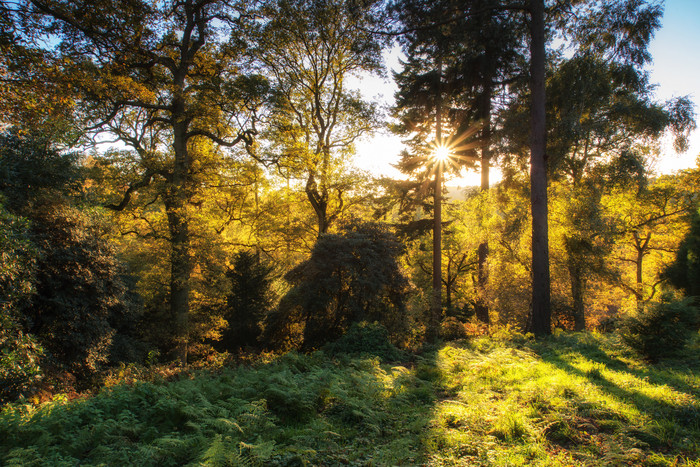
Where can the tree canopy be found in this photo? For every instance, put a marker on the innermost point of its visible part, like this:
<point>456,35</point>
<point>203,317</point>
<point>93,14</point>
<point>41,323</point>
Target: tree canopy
<point>178,181</point>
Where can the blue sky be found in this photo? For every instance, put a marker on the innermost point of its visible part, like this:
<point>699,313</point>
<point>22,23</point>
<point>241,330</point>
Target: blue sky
<point>675,69</point>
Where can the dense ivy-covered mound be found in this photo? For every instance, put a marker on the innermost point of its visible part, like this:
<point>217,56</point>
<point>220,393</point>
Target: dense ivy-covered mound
<point>568,400</point>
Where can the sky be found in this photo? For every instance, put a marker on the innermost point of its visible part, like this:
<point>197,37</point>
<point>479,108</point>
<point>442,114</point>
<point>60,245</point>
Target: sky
<point>675,70</point>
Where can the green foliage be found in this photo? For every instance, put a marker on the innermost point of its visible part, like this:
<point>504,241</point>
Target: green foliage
<point>60,285</point>
<point>684,272</point>
<point>350,277</point>
<point>250,299</point>
<point>296,410</point>
<point>31,170</point>
<point>19,352</point>
<point>571,399</point>
<point>365,339</point>
<point>452,328</point>
<point>662,329</point>
<point>18,256</point>
<point>81,297</point>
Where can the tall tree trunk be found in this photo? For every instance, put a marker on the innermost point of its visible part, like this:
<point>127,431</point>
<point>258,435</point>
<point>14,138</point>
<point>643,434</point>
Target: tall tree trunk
<point>436,302</point>
<point>577,284</point>
<point>180,261</point>
<point>319,202</point>
<point>641,246</point>
<point>481,308</point>
<point>448,286</point>
<point>540,318</point>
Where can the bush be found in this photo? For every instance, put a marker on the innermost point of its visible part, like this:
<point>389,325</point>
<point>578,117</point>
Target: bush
<point>364,339</point>
<point>352,276</point>
<point>19,351</point>
<point>661,329</point>
<point>81,297</point>
<point>684,272</point>
<point>19,360</point>
<point>452,329</point>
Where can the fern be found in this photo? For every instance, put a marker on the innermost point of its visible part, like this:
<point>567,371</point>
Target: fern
<point>493,402</point>
<point>224,452</point>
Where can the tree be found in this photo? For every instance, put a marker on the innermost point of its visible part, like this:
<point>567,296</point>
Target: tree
<point>684,272</point>
<point>616,33</point>
<point>582,238</point>
<point>168,81</point>
<point>540,322</point>
<point>32,95</point>
<point>310,48</point>
<point>78,296</point>
<point>479,51</point>
<point>249,301</point>
<point>350,277</point>
<point>606,120</point>
<point>651,223</point>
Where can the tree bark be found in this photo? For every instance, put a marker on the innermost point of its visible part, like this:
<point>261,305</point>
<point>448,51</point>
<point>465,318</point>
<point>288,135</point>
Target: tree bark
<point>180,261</point>
<point>641,246</point>
<point>540,318</point>
<point>319,202</point>
<point>577,284</point>
<point>481,308</point>
<point>176,200</point>
<point>180,271</point>
<point>436,302</point>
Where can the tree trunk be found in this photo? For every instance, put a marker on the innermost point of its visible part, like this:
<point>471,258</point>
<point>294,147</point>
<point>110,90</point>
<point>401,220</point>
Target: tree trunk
<point>319,202</point>
<point>577,283</point>
<point>641,245</point>
<point>448,287</point>
<point>436,302</point>
<point>180,261</point>
<point>481,309</point>
<point>180,270</point>
<point>540,318</point>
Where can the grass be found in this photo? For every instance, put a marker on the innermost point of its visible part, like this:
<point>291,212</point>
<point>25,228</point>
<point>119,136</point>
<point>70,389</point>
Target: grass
<point>573,399</point>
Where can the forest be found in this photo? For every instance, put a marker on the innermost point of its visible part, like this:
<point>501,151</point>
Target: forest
<point>194,270</point>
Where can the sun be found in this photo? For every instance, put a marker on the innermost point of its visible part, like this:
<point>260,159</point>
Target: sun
<point>442,153</point>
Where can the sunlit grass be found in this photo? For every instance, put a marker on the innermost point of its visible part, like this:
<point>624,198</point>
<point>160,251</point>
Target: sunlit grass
<point>546,404</point>
<point>568,400</point>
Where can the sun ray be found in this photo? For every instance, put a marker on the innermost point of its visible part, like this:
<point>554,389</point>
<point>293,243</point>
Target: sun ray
<point>449,151</point>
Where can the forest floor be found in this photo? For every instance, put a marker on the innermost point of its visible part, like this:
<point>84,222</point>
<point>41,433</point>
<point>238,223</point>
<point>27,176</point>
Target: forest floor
<point>572,399</point>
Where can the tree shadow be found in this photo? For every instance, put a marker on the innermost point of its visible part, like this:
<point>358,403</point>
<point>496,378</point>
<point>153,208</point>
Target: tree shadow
<point>677,417</point>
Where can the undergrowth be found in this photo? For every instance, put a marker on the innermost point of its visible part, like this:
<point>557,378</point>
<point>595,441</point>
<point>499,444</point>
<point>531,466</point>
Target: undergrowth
<point>573,399</point>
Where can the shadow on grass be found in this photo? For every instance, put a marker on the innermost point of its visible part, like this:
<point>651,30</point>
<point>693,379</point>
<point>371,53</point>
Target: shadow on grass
<point>670,419</point>
<point>663,373</point>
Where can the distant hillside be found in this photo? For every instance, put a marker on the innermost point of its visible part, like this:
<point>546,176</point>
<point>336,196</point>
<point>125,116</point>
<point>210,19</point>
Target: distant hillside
<point>459,193</point>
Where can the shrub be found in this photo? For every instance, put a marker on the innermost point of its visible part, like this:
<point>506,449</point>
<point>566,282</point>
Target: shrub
<point>350,277</point>
<point>684,272</point>
<point>661,329</point>
<point>19,351</point>
<point>365,339</point>
<point>19,360</point>
<point>81,298</point>
<point>452,329</point>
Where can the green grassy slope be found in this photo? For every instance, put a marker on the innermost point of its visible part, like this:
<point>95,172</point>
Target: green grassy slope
<point>567,400</point>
